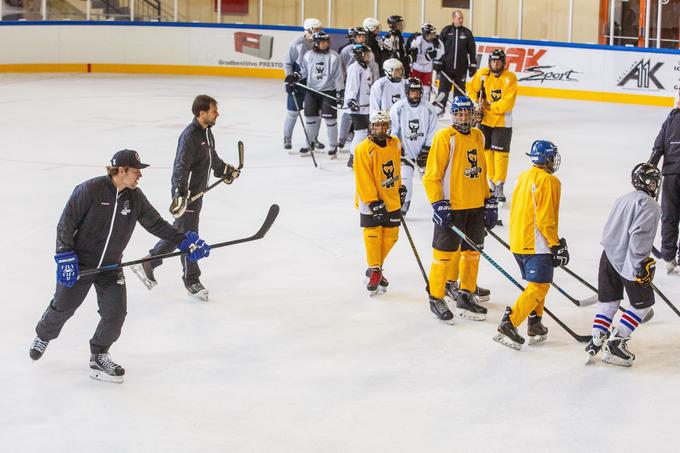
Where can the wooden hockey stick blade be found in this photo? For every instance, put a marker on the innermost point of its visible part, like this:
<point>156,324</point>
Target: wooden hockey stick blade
<point>266,225</point>
<point>240,154</point>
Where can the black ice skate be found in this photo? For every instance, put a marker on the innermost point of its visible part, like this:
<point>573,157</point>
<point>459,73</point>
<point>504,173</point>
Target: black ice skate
<point>287,143</point>
<point>595,344</point>
<point>382,286</point>
<point>507,333</point>
<point>103,368</point>
<point>616,352</point>
<point>536,331</point>
<point>145,273</point>
<point>318,145</point>
<point>350,161</point>
<point>468,308</point>
<point>38,348</point>
<point>197,290</point>
<point>439,308</point>
<point>498,192</point>
<point>333,152</point>
<point>374,275</point>
<point>452,290</point>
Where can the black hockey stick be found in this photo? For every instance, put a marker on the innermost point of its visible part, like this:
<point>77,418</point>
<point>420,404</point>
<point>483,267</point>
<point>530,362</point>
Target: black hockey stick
<point>656,252</point>
<point>216,183</point>
<point>302,123</point>
<point>266,225</point>
<point>579,338</point>
<point>415,252</point>
<point>665,299</point>
<point>321,93</point>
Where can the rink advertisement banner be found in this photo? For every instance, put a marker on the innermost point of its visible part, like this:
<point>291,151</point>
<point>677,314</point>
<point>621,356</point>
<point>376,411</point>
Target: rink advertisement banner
<point>543,69</point>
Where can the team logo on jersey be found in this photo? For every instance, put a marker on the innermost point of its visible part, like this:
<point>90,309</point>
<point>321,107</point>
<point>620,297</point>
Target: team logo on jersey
<point>642,73</point>
<point>495,95</point>
<point>318,69</point>
<point>474,171</point>
<point>388,171</point>
<point>414,127</point>
<point>126,208</point>
<point>395,98</point>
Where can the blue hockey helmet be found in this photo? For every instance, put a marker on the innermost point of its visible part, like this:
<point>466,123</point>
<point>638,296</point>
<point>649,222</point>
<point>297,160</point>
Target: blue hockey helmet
<point>544,153</point>
<point>462,113</point>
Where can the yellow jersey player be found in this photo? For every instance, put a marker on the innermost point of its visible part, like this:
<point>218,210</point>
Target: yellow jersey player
<point>379,195</point>
<point>495,88</point>
<point>535,243</point>
<point>455,183</point>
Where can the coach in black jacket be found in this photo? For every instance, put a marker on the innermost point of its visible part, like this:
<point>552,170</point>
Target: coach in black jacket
<point>667,145</point>
<point>460,57</point>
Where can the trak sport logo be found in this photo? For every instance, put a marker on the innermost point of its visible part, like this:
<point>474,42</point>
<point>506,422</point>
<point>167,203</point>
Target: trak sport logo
<point>642,73</point>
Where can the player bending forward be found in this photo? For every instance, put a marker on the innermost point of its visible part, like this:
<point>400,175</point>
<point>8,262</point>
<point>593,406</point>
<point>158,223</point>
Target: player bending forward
<point>625,263</point>
<point>378,195</point>
<point>535,243</point>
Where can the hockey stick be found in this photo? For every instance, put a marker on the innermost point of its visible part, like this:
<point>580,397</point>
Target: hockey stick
<point>579,338</point>
<point>321,93</point>
<point>665,299</point>
<point>656,252</point>
<point>414,165</point>
<point>415,252</point>
<point>302,123</point>
<point>216,183</point>
<point>266,225</point>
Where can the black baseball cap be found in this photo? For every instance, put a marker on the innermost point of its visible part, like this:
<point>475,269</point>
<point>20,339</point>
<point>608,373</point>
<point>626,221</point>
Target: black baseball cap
<point>127,158</point>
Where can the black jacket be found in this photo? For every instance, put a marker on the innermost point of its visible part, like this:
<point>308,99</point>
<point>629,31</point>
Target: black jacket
<point>376,48</point>
<point>98,221</point>
<point>195,157</point>
<point>460,50</point>
<point>399,51</point>
<point>667,144</point>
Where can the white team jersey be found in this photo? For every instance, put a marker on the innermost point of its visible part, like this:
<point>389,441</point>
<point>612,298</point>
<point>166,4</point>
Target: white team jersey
<point>358,87</point>
<point>322,70</point>
<point>413,126</point>
<point>423,62</point>
<point>385,93</point>
<point>347,58</point>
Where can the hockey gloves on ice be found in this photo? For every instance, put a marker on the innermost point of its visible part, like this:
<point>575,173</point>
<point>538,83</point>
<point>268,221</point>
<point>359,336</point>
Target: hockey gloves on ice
<point>490,212</point>
<point>67,268</point>
<point>291,79</point>
<point>195,247</point>
<point>402,194</point>
<point>379,211</point>
<point>442,213</point>
<point>353,106</point>
<point>228,174</point>
<point>178,206</point>
<point>421,160</point>
<point>645,272</point>
<point>560,253</point>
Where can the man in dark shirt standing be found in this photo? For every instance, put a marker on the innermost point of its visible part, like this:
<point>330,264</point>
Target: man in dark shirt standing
<point>460,56</point>
<point>667,145</point>
<point>395,45</point>
<point>195,157</point>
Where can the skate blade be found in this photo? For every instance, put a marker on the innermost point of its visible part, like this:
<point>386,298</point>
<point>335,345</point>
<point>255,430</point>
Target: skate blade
<point>99,375</point>
<point>139,272</point>
<point>449,321</point>
<point>332,156</point>
<point>613,360</point>
<point>201,295</point>
<point>382,289</point>
<point>465,314</point>
<point>375,292</point>
<point>537,339</point>
<point>505,341</point>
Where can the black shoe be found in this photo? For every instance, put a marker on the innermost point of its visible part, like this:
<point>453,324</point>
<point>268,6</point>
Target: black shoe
<point>616,352</point>
<point>468,307</point>
<point>350,162</point>
<point>38,348</point>
<point>507,332</point>
<point>287,143</point>
<point>536,331</point>
<point>439,308</point>
<point>105,369</point>
<point>304,151</point>
<point>197,290</point>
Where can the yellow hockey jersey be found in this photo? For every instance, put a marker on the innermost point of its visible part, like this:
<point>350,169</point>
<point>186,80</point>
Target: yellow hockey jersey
<point>534,212</point>
<point>500,92</point>
<point>377,172</point>
<point>456,169</point>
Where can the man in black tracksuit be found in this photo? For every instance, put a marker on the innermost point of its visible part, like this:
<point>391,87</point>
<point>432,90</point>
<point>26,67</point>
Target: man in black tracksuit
<point>372,27</point>
<point>93,231</point>
<point>667,144</point>
<point>460,56</point>
<point>195,157</point>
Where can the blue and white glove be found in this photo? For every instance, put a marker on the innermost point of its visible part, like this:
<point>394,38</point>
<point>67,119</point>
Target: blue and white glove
<point>490,213</point>
<point>195,247</point>
<point>442,213</point>
<point>67,268</point>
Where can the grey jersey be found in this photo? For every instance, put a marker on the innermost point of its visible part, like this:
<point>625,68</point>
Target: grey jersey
<point>322,70</point>
<point>359,81</point>
<point>413,126</point>
<point>292,61</point>
<point>384,93</point>
<point>347,58</point>
<point>629,232</point>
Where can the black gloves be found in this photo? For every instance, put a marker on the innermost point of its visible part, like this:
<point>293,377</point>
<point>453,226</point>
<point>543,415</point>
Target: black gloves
<point>560,253</point>
<point>379,211</point>
<point>645,272</point>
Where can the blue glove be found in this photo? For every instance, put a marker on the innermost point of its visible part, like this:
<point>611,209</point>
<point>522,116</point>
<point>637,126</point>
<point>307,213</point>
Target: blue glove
<point>379,211</point>
<point>490,212</point>
<point>67,268</point>
<point>442,213</point>
<point>195,247</point>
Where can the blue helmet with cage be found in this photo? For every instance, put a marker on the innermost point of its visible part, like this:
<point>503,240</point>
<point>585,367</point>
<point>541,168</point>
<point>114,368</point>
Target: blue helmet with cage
<point>544,153</point>
<point>462,113</point>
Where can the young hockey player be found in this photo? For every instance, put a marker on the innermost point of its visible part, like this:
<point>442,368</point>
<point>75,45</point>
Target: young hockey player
<point>424,49</point>
<point>535,242</point>
<point>292,63</point>
<point>378,196</point>
<point>357,95</point>
<point>495,89</point>
<point>455,183</point>
<point>394,43</point>
<point>414,123</point>
<point>388,89</point>
<point>373,41</point>
<point>625,264</point>
<point>322,69</point>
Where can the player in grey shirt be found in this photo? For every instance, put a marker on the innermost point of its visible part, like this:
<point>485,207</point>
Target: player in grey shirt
<point>625,264</point>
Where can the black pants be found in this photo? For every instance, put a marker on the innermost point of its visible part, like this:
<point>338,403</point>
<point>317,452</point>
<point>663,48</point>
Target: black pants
<point>457,76</point>
<point>188,222</point>
<point>670,216</point>
<point>112,301</point>
<point>610,286</point>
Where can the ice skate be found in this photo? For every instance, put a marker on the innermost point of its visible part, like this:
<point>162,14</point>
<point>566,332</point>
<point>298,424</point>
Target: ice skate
<point>38,348</point>
<point>440,309</point>
<point>198,291</point>
<point>333,153</point>
<point>382,286</point>
<point>507,333</point>
<point>145,273</point>
<point>287,143</point>
<point>536,331</point>
<point>595,344</point>
<point>498,193</point>
<point>374,280</point>
<point>318,145</point>
<point>102,368</point>
<point>468,308</point>
<point>616,352</point>
<point>350,161</point>
<point>452,289</point>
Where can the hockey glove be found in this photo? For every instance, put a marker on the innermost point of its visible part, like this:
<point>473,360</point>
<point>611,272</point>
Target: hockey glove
<point>178,206</point>
<point>353,106</point>
<point>379,211</point>
<point>560,253</point>
<point>421,160</point>
<point>67,268</point>
<point>645,272</point>
<point>402,194</point>
<point>437,65</point>
<point>431,54</point>
<point>228,174</point>
<point>413,53</point>
<point>290,80</point>
<point>195,247</point>
<point>442,213</point>
<point>340,97</point>
<point>490,212</point>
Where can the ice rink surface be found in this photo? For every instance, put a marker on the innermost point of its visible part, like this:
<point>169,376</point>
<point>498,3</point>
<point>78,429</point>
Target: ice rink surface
<point>290,354</point>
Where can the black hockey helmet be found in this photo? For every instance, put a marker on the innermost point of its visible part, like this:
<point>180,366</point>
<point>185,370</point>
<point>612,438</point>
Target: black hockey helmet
<point>428,31</point>
<point>318,38</point>
<point>353,32</point>
<point>647,178</point>
<point>393,21</point>
<point>361,52</point>
<point>497,55</point>
<point>414,84</point>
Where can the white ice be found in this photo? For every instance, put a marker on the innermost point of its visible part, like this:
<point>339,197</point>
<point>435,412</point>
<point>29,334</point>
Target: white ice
<point>290,354</point>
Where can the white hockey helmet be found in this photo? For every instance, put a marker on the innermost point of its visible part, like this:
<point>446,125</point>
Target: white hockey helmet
<point>391,66</point>
<point>379,125</point>
<point>371,24</point>
<point>311,25</point>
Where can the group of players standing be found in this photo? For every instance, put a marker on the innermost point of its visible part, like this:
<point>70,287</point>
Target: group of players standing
<point>463,169</point>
